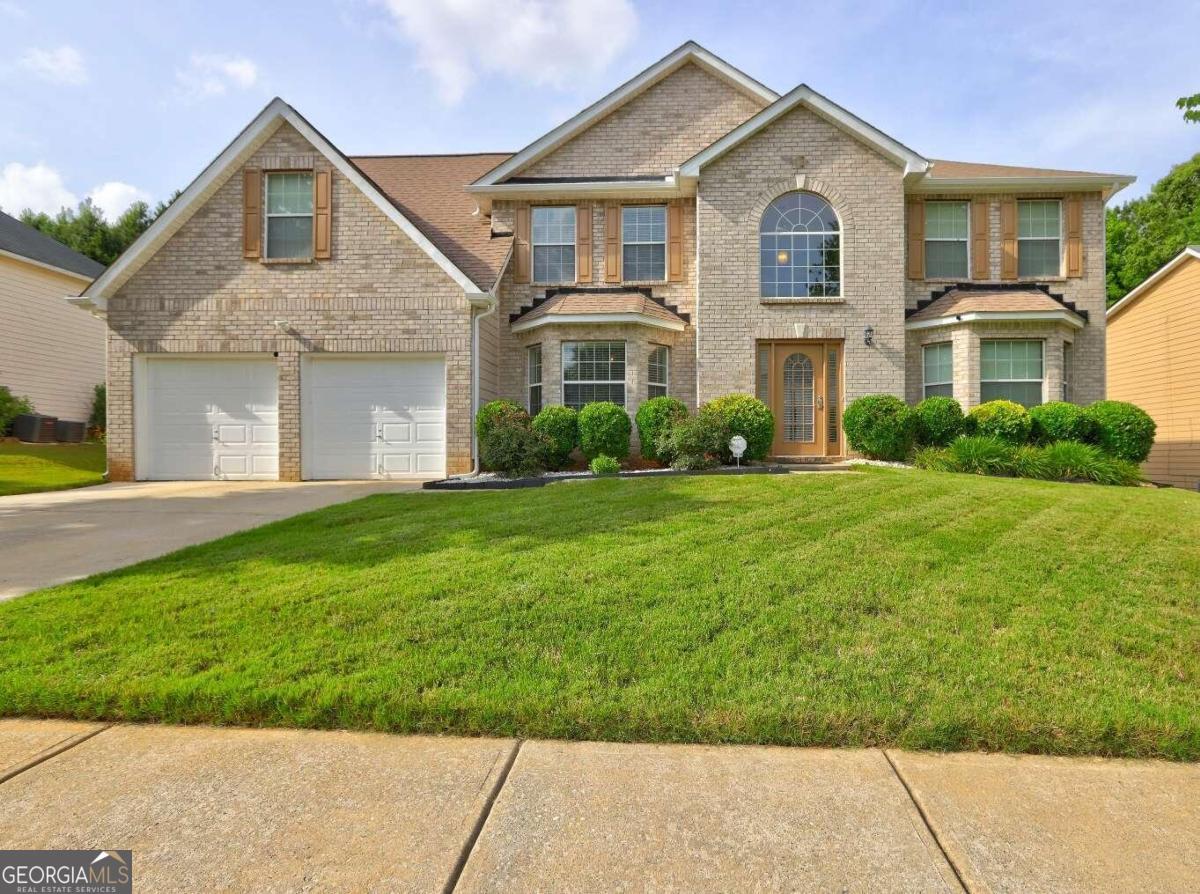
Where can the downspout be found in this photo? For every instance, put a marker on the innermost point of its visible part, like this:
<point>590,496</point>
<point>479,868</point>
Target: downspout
<point>492,304</point>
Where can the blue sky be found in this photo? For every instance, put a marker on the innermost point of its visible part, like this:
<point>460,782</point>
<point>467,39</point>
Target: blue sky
<point>125,100</point>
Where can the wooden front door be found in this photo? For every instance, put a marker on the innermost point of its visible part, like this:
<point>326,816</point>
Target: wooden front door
<point>799,376</point>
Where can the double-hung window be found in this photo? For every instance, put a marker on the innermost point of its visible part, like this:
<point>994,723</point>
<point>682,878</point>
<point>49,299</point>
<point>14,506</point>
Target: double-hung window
<point>533,358</point>
<point>939,370</point>
<point>290,215</point>
<point>644,243</point>
<point>554,244</point>
<point>593,371</point>
<point>658,371</point>
<point>947,236</point>
<point>1039,238</point>
<point>1011,370</point>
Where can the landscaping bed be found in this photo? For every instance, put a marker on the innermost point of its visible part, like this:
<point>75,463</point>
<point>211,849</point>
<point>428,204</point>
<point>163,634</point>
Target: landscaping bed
<point>491,481</point>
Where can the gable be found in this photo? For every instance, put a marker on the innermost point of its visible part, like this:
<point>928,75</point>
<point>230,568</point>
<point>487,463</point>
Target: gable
<point>1179,278</point>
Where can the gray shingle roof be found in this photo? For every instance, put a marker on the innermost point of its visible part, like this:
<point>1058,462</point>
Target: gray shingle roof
<point>19,239</point>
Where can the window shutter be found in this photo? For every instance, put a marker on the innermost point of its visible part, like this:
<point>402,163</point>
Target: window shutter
<point>916,240</point>
<point>583,242</point>
<point>322,202</point>
<point>1074,235</point>
<point>521,245</point>
<point>252,219</point>
<point>980,262</point>
<point>1008,238</point>
<point>612,242</point>
<point>675,241</point>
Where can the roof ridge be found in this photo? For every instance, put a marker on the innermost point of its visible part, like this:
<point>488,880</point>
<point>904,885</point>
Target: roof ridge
<point>428,155</point>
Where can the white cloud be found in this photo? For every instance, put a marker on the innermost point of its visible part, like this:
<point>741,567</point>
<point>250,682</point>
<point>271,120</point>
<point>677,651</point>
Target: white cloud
<point>13,10</point>
<point>212,74</point>
<point>38,186</point>
<point>113,197</point>
<point>61,65</point>
<point>552,42</point>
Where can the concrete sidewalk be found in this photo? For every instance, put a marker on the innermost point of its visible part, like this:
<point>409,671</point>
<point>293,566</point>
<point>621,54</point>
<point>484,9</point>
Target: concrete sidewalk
<point>282,810</point>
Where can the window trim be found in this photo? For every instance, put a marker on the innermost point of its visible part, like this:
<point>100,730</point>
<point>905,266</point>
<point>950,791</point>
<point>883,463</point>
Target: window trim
<point>840,232</point>
<point>530,384</point>
<point>665,242</point>
<point>1042,380</point>
<point>1061,245</point>
<point>665,384</point>
<point>926,239</point>
<point>267,215</point>
<point>925,383</point>
<point>623,381</point>
<point>533,246</point>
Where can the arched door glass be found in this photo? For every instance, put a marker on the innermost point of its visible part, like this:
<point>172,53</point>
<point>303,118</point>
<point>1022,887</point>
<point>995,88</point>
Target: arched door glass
<point>798,398</point>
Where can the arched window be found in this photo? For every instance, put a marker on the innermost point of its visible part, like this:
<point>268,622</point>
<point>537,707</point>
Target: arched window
<point>800,245</point>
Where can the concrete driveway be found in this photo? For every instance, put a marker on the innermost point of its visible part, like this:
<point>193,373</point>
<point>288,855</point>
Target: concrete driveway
<point>52,538</point>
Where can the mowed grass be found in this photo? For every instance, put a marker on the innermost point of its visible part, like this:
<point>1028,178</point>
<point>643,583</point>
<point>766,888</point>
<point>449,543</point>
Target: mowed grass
<point>881,607</point>
<point>28,468</point>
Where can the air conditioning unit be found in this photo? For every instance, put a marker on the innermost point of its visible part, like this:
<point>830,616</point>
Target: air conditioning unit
<point>33,428</point>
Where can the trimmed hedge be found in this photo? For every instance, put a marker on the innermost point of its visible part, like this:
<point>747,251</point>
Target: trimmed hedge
<point>559,425</point>
<point>512,448</point>
<point>745,415</point>
<point>604,428</point>
<point>1002,419</point>
<point>939,421</point>
<point>654,417</point>
<point>695,442</point>
<point>1122,429</point>
<point>880,426</point>
<point>604,465</point>
<point>1060,421</point>
<point>493,410</point>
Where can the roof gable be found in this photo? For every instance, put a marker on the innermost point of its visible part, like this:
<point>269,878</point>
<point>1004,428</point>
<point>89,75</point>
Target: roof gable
<point>23,241</point>
<point>1191,252</point>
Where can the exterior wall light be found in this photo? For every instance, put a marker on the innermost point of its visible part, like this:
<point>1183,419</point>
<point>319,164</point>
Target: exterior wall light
<point>869,336</point>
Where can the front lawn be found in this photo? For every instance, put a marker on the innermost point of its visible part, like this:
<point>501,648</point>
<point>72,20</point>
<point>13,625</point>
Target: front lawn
<point>27,468</point>
<point>885,606</point>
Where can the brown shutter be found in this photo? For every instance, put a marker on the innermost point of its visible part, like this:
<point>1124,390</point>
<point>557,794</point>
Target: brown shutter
<point>1008,238</point>
<point>916,240</point>
<point>583,243</point>
<point>612,242</point>
<point>1074,235</point>
<point>675,241</point>
<point>322,221</point>
<point>980,262</point>
<point>521,244</point>
<point>252,220</point>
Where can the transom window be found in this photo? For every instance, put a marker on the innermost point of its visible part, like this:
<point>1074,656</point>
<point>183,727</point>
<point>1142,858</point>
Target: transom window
<point>800,248</point>
<point>554,244</point>
<point>947,236</point>
<point>533,357</point>
<point>593,371</point>
<point>658,371</point>
<point>1039,238</point>
<point>1011,370</point>
<point>290,215</point>
<point>939,370</point>
<point>644,242</point>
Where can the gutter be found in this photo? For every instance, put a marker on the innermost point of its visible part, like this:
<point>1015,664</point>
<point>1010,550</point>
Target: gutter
<point>490,307</point>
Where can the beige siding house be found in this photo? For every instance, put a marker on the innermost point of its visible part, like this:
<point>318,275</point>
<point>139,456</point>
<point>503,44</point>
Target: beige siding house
<point>1154,362</point>
<point>49,352</point>
<point>303,313</point>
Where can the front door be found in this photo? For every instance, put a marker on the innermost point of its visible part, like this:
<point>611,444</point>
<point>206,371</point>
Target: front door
<point>798,383</point>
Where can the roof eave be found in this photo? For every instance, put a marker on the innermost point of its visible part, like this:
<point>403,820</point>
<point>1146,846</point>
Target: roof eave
<point>1191,251</point>
<point>53,268</point>
<point>1108,185</point>
<point>983,316</point>
<point>635,319</point>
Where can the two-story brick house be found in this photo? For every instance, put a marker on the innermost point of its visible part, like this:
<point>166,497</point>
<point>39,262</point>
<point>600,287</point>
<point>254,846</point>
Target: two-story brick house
<point>304,314</point>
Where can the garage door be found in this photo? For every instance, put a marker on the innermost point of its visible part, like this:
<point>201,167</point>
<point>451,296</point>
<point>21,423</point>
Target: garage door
<point>374,417</point>
<point>208,418</point>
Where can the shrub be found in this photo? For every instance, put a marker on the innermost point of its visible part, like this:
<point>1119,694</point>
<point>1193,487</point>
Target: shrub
<point>981,455</point>
<point>512,448</point>
<point>493,410</point>
<point>695,442</point>
<point>604,428</point>
<point>1122,430</point>
<point>747,416</point>
<point>99,418</point>
<point>1002,419</point>
<point>1031,462</point>
<point>653,418</point>
<point>939,420</point>
<point>604,465</point>
<point>1060,421</point>
<point>935,459</point>
<point>1071,460</point>
<point>559,425</point>
<point>880,426</point>
<point>10,408</point>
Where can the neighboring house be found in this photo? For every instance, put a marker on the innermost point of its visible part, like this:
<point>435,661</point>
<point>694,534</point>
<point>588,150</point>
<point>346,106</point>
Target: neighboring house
<point>1154,362</point>
<point>49,352</point>
<point>304,314</point>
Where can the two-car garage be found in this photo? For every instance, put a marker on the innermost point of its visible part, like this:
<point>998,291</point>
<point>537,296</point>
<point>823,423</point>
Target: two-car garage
<point>361,416</point>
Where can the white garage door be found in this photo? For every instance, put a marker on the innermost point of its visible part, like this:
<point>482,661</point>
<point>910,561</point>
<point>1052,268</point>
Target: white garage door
<point>208,418</point>
<point>374,417</point>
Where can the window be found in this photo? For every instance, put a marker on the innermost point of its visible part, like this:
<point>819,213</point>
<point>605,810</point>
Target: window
<point>290,215</point>
<point>831,399</point>
<point>946,239</point>
<point>1011,370</point>
<point>939,370</point>
<point>658,370</point>
<point>644,243</point>
<point>593,371</point>
<point>799,248</point>
<point>1068,371</point>
<point>533,356</point>
<point>1039,238</point>
<point>554,244</point>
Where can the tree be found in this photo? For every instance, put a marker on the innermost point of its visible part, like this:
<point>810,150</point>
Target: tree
<point>86,230</point>
<point>1190,106</point>
<point>1145,233</point>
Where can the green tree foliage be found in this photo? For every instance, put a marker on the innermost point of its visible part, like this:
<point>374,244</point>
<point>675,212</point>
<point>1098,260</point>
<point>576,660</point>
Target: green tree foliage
<point>1145,233</point>
<point>1190,106</point>
<point>86,230</point>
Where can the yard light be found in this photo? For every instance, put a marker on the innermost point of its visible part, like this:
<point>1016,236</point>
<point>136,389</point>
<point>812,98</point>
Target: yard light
<point>869,336</point>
